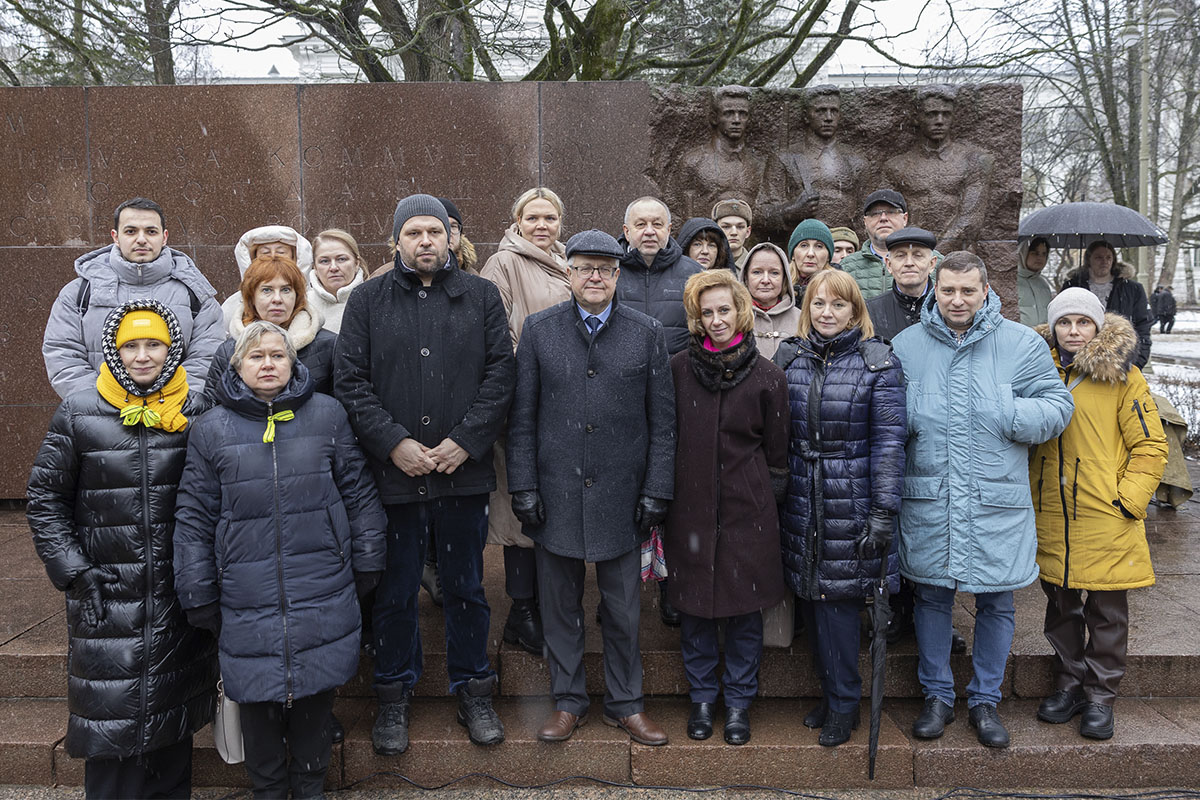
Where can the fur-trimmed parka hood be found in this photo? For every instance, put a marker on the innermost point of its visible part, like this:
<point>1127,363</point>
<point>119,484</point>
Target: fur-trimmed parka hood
<point>1109,356</point>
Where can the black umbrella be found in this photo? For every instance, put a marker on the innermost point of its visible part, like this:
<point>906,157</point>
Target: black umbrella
<point>881,613</point>
<point>1079,224</point>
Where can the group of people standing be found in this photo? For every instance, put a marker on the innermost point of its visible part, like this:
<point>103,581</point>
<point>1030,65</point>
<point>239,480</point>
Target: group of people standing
<point>254,491</point>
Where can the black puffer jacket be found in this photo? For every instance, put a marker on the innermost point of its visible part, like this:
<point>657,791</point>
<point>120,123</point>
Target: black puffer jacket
<point>893,311</point>
<point>274,532</point>
<point>103,494</point>
<point>658,291</point>
<point>849,424</point>
<point>1126,298</point>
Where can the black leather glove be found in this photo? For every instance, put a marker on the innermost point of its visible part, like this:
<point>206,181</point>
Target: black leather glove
<point>877,536</point>
<point>206,617</point>
<point>650,511</point>
<point>528,508</point>
<point>365,582</point>
<point>85,590</point>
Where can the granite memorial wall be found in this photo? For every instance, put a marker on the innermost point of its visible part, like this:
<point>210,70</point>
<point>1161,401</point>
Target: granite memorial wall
<point>223,159</point>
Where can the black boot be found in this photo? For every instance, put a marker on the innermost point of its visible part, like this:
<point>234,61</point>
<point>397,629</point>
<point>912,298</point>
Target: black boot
<point>524,626</point>
<point>389,736</point>
<point>668,612</point>
<point>1062,706</point>
<point>1097,721</point>
<point>475,711</point>
<point>900,625</point>
<point>837,727</point>
<point>958,643</point>
<point>816,717</point>
<point>337,733</point>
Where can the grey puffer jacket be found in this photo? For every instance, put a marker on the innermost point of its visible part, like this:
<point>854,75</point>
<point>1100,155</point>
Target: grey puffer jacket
<point>657,290</point>
<point>274,532</point>
<point>102,494</point>
<point>71,343</point>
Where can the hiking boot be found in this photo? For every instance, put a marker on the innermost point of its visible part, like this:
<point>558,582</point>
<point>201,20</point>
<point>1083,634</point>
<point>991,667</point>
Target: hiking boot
<point>389,736</point>
<point>475,711</point>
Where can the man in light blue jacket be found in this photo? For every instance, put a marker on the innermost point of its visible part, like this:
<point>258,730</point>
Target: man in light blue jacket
<point>981,390</point>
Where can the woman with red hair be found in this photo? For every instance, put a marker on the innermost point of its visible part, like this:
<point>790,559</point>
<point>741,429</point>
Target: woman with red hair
<point>274,289</point>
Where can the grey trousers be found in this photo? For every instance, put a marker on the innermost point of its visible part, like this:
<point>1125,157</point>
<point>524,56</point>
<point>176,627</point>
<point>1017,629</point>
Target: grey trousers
<point>560,592</point>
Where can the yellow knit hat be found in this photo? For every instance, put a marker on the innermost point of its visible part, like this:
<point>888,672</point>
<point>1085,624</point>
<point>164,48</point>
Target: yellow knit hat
<point>142,324</point>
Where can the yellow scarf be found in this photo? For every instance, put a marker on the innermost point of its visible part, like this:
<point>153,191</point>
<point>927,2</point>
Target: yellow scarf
<point>281,416</point>
<point>163,409</point>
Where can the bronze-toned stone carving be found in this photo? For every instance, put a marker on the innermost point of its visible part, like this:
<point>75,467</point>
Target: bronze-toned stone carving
<point>822,178</point>
<point>946,182</point>
<point>722,167</point>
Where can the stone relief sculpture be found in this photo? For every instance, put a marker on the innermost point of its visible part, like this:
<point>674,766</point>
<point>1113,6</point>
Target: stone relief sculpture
<point>946,182</point>
<point>794,154</point>
<point>722,167</point>
<point>822,178</point>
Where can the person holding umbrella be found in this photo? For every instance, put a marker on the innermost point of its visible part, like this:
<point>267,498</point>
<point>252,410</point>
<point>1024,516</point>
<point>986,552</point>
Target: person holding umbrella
<point>1090,533</point>
<point>848,428</point>
<point>1113,284</point>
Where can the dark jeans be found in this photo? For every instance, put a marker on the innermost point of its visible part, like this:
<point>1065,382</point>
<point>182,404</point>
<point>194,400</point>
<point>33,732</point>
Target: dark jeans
<point>460,524</point>
<point>163,773</point>
<point>743,655</point>
<point>288,747</point>
<point>1097,666</point>
<point>833,632</point>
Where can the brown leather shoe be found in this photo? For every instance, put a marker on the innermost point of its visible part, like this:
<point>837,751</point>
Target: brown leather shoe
<point>640,728</point>
<point>559,726</point>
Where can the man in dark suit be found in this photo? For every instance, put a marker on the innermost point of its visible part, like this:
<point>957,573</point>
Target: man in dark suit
<point>591,466</point>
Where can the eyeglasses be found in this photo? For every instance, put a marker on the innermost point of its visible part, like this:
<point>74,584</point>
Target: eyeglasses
<point>587,272</point>
<point>884,212</point>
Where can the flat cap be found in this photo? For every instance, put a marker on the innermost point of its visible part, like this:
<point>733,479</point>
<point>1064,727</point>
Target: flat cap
<point>889,196</point>
<point>593,243</point>
<point>733,207</point>
<point>911,235</point>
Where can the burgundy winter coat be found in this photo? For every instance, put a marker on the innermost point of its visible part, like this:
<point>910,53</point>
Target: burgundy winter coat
<point>722,534</point>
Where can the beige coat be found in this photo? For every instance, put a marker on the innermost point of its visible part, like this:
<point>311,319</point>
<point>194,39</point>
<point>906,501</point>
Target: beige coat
<point>331,306</point>
<point>773,325</point>
<point>529,281</point>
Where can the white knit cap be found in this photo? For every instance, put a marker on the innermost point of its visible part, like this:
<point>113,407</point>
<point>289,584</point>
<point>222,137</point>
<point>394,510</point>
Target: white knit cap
<point>1076,300</point>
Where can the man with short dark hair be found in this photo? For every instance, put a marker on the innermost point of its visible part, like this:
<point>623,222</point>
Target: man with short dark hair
<point>425,368</point>
<point>884,212</point>
<point>591,468</point>
<point>982,389</point>
<point>138,265</point>
<point>723,166</point>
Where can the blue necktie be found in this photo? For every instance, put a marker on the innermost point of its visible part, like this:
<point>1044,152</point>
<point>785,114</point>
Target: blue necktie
<point>593,322</point>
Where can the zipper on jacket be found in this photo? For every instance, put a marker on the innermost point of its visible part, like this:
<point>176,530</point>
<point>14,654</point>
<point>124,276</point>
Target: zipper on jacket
<point>1062,494</point>
<point>1041,472</point>
<point>1075,492</point>
<point>287,647</point>
<point>1141,418</point>
<point>147,634</point>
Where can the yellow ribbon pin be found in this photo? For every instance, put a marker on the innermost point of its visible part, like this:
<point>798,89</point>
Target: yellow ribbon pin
<point>133,414</point>
<point>282,416</point>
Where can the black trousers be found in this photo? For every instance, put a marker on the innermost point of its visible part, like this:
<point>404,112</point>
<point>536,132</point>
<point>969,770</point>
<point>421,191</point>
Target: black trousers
<point>164,773</point>
<point>288,747</point>
<point>1098,665</point>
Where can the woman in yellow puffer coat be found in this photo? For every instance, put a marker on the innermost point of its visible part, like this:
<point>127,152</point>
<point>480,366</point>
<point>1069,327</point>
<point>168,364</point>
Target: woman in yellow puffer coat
<point>1090,488</point>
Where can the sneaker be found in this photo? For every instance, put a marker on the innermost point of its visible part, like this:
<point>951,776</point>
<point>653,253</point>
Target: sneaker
<point>389,736</point>
<point>476,714</point>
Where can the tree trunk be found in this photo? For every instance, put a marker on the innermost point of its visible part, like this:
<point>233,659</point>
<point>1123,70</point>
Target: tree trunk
<point>1189,277</point>
<point>158,39</point>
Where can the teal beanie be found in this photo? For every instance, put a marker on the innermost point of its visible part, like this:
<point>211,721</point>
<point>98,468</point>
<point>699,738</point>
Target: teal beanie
<point>811,229</point>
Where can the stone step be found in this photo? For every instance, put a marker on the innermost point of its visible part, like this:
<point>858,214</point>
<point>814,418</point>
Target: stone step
<point>1157,743</point>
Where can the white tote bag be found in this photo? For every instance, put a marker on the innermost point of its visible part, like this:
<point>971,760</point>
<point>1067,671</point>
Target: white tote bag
<point>227,728</point>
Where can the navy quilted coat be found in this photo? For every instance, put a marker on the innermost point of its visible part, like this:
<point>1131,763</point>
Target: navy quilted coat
<point>102,493</point>
<point>275,532</point>
<point>846,458</point>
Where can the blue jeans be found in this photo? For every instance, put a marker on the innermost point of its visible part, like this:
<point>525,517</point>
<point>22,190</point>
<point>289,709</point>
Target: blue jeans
<point>459,525</point>
<point>994,624</point>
